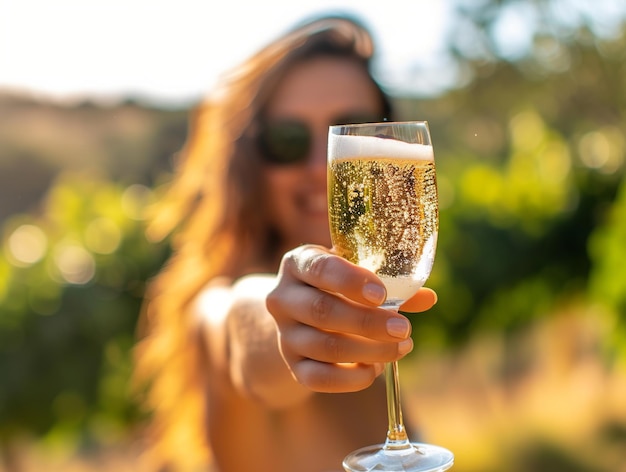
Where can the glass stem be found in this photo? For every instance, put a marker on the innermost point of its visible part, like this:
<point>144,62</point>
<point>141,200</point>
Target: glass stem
<point>397,439</point>
<point>396,434</point>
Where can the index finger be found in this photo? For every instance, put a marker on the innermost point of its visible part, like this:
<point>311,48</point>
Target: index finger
<point>329,272</point>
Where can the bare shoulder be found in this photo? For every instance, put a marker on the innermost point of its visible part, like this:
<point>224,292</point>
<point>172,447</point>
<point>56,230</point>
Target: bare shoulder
<point>212,300</point>
<point>255,285</point>
<point>224,306</point>
<point>209,309</point>
<point>216,298</point>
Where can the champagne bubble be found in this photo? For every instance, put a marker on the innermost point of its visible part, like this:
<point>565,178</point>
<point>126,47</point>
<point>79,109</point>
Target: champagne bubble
<point>390,224</point>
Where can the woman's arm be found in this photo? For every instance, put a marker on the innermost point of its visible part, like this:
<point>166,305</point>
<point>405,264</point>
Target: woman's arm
<point>314,327</point>
<point>241,340</point>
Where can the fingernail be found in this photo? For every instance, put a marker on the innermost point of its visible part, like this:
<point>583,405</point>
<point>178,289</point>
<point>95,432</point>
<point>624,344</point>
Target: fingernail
<point>374,293</point>
<point>405,347</point>
<point>398,327</point>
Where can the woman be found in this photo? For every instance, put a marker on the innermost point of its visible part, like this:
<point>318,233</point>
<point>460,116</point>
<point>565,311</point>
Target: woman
<point>253,322</point>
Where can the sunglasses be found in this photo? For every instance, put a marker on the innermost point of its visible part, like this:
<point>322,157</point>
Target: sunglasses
<point>288,142</point>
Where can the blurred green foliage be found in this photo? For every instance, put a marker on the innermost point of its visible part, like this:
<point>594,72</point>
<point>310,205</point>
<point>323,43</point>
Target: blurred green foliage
<point>74,275</point>
<point>531,153</point>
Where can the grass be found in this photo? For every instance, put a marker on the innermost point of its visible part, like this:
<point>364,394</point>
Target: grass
<point>545,400</point>
<point>548,399</point>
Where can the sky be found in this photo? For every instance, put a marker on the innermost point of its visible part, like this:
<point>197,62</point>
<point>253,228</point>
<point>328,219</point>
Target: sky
<point>172,51</point>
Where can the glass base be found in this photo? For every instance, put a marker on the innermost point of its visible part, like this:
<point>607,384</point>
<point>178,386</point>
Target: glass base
<point>418,458</point>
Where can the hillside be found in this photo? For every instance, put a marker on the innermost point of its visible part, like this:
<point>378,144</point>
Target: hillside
<point>127,141</point>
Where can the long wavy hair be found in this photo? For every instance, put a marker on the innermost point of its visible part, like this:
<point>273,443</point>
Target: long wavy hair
<point>214,212</point>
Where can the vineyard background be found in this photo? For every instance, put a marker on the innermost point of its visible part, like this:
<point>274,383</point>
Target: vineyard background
<point>520,366</point>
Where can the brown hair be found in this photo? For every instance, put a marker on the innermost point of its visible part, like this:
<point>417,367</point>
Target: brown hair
<point>215,204</point>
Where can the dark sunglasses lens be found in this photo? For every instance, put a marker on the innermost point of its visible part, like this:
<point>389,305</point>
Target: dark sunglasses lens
<point>288,142</point>
<point>285,142</point>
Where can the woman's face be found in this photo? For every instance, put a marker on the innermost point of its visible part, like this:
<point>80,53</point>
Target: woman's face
<point>317,93</point>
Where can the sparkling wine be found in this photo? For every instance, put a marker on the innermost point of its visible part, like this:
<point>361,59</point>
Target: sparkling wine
<point>384,217</point>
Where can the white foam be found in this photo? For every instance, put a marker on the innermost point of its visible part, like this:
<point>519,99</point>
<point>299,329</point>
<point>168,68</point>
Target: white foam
<point>341,147</point>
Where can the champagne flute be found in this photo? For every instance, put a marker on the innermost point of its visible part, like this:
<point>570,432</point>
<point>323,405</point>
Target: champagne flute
<point>383,207</point>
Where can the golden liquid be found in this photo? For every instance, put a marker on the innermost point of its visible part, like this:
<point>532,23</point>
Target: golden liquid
<point>384,215</point>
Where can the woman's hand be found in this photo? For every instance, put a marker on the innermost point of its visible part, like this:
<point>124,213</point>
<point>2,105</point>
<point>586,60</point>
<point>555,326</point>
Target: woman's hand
<point>332,333</point>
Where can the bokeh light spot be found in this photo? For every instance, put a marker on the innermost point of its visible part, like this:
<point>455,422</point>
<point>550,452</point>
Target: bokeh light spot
<point>75,264</point>
<point>603,150</point>
<point>27,245</point>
